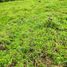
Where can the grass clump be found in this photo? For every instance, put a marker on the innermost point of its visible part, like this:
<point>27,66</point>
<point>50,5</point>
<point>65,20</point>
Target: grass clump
<point>33,33</point>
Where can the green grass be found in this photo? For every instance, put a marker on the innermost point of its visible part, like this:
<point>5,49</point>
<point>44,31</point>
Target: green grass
<point>33,33</point>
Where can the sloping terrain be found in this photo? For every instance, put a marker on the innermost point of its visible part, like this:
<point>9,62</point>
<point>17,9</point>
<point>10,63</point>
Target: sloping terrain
<point>33,33</point>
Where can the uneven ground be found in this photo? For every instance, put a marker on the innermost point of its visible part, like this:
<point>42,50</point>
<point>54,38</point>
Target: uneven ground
<point>33,33</point>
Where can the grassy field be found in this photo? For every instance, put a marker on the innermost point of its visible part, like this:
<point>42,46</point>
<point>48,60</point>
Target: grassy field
<point>33,33</point>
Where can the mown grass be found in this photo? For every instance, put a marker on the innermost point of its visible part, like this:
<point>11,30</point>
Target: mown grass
<point>33,33</point>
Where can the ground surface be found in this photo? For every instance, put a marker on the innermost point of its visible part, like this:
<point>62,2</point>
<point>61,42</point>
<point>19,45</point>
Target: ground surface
<point>33,33</point>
